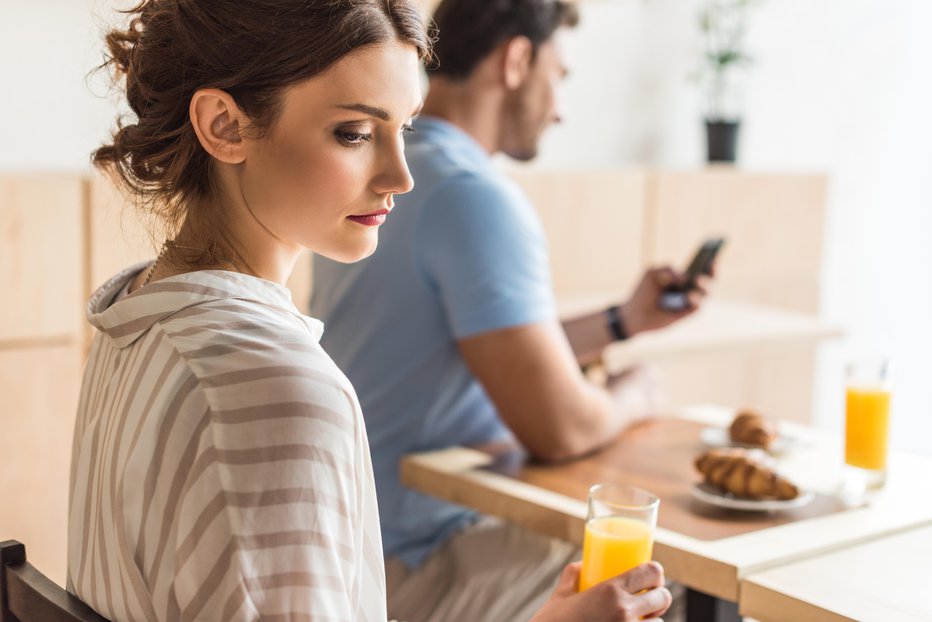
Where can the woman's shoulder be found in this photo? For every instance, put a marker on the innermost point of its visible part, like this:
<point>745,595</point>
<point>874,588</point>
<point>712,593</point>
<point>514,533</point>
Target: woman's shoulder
<point>233,321</point>
<point>242,346</point>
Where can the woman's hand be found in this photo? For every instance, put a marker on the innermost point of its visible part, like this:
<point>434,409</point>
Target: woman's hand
<point>638,594</point>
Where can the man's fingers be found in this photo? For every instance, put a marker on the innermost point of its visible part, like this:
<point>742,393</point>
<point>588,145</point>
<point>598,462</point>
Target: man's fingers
<point>704,284</point>
<point>698,294</point>
<point>663,276</point>
<point>695,299</point>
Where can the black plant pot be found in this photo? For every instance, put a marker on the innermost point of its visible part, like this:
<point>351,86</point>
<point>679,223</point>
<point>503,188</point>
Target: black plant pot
<point>722,140</point>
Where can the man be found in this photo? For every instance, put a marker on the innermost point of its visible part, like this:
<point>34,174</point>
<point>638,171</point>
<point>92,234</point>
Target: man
<point>449,331</point>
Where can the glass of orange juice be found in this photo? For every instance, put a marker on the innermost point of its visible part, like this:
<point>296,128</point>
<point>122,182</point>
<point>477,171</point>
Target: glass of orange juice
<point>868,389</point>
<point>619,532</point>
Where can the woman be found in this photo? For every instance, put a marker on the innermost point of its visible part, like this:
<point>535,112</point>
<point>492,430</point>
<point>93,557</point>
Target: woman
<point>220,467</point>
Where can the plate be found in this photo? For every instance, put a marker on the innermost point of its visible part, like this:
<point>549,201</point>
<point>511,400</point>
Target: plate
<point>713,496</point>
<point>718,437</point>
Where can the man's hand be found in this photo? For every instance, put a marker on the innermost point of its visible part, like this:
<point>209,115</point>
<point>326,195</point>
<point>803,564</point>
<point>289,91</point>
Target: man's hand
<point>642,312</point>
<point>637,393</point>
<point>635,595</point>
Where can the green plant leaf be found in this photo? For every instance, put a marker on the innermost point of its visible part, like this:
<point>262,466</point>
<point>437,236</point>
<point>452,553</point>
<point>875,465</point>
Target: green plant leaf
<point>726,58</point>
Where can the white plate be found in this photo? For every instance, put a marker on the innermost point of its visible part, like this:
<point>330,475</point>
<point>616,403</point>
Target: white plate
<point>713,496</point>
<point>718,437</point>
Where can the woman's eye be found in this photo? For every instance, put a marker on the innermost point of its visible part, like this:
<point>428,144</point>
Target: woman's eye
<point>407,129</point>
<point>353,138</point>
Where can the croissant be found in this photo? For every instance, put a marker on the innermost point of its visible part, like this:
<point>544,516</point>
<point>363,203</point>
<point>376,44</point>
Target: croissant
<point>750,428</point>
<point>744,473</point>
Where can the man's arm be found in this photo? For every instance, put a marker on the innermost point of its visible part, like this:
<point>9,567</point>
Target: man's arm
<point>589,334</point>
<point>530,374</point>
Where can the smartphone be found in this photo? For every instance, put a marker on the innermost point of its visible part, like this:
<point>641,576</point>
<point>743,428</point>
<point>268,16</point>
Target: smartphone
<point>674,297</point>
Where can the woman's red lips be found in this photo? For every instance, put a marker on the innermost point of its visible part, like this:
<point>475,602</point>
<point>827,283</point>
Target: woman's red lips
<point>372,219</point>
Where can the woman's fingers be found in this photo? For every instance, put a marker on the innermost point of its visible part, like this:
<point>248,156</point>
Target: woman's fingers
<point>644,577</point>
<point>654,602</point>
<point>569,580</point>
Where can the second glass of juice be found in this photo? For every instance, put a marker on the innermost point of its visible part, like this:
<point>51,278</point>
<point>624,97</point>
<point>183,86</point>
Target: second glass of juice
<point>868,390</point>
<point>619,532</point>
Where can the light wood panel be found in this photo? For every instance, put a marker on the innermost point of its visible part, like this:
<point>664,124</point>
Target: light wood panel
<point>773,225</point>
<point>887,579</point>
<point>39,388</point>
<point>719,325</point>
<point>118,236</point>
<point>40,243</point>
<point>778,383</point>
<point>594,222</point>
<point>742,354</point>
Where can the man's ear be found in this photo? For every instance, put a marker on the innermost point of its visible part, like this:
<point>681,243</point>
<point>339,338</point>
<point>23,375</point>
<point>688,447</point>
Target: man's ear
<point>218,121</point>
<point>517,58</point>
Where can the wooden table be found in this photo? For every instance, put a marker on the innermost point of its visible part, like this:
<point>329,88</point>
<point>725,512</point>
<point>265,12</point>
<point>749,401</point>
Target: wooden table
<point>709,552</point>
<point>885,579</point>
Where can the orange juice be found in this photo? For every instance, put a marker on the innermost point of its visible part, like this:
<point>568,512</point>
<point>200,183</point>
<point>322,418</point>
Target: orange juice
<point>866,426</point>
<point>613,545</point>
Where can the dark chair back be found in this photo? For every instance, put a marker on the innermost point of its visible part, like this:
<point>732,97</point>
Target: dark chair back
<point>27,595</point>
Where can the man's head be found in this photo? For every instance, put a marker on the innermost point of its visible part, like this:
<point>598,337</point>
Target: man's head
<point>524,37</point>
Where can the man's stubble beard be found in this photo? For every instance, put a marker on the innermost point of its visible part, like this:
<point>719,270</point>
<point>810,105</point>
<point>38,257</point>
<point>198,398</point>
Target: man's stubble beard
<point>523,132</point>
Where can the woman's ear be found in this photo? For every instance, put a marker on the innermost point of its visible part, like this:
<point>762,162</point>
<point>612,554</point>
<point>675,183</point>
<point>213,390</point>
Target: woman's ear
<point>517,61</point>
<point>218,122</point>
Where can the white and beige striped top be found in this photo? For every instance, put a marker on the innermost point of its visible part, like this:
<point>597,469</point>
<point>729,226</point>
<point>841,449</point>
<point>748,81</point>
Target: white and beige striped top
<point>221,469</point>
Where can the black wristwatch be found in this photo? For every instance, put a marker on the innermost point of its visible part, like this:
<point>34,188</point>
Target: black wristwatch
<point>616,325</point>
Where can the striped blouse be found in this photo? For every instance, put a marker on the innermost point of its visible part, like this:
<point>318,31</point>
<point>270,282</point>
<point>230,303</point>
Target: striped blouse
<point>221,469</point>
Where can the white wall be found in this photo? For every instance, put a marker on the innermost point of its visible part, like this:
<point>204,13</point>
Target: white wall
<point>839,86</point>
<point>51,113</point>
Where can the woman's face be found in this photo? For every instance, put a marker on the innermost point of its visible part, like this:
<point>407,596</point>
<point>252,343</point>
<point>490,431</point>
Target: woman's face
<point>323,177</point>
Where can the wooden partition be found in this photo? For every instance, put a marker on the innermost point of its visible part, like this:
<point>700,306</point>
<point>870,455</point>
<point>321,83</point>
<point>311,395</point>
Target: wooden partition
<point>41,250</point>
<point>605,228</point>
<point>116,234</point>
<point>595,222</point>
<point>773,224</point>
<point>39,388</point>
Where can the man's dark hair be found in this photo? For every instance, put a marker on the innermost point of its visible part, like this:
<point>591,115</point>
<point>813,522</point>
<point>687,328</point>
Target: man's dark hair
<point>468,30</point>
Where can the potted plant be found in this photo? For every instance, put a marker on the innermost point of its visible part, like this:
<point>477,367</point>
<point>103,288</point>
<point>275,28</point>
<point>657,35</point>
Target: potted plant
<point>723,24</point>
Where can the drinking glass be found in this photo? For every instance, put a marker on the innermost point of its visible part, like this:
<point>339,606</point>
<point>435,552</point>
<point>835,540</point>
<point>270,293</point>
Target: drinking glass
<point>619,531</point>
<point>868,389</point>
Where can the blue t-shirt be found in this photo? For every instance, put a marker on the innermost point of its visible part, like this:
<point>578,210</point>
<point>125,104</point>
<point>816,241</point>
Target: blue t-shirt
<point>462,254</point>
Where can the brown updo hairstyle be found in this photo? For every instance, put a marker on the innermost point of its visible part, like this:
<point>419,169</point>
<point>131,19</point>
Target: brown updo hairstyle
<point>252,49</point>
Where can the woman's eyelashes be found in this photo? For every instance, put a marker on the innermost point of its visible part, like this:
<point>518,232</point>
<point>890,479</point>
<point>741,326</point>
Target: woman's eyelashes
<point>352,138</point>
